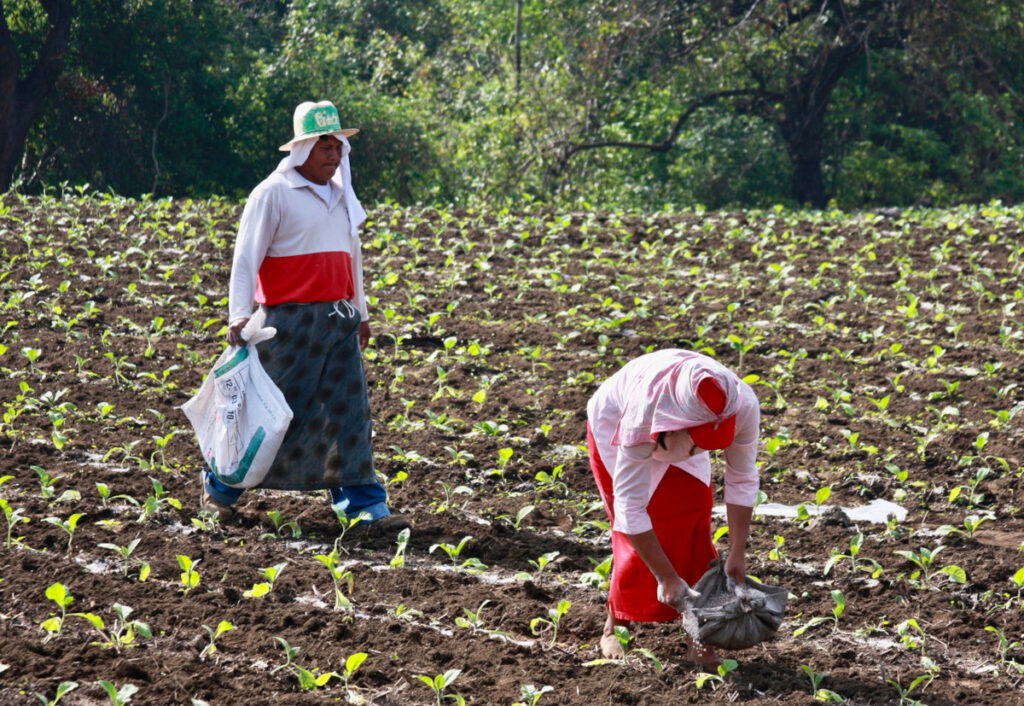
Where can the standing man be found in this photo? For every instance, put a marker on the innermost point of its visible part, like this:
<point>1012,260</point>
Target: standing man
<point>298,256</point>
<point>650,426</point>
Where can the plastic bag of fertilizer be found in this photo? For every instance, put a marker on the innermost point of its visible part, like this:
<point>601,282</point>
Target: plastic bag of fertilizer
<point>732,615</point>
<point>239,415</point>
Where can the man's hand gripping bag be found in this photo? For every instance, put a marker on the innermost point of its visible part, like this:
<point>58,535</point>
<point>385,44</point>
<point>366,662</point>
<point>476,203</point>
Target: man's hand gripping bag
<point>735,616</point>
<point>239,415</point>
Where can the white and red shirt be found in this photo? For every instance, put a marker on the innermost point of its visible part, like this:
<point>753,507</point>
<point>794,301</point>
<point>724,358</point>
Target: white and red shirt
<point>294,245</point>
<point>638,468</point>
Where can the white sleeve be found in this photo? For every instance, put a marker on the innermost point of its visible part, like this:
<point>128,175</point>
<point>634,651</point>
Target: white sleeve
<point>631,486</point>
<point>255,233</point>
<point>741,478</point>
<point>357,280</point>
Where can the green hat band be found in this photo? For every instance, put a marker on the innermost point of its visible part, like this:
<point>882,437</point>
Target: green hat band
<point>321,120</point>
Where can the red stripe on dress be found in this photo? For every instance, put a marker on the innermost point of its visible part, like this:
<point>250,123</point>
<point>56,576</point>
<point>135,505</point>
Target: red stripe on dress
<point>318,277</point>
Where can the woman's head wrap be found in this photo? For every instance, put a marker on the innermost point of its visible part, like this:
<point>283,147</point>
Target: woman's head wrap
<point>697,393</point>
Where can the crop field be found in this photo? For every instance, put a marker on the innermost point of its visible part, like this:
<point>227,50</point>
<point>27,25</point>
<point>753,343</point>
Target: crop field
<point>886,350</point>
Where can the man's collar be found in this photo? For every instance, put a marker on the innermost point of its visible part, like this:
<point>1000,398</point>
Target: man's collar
<point>296,180</point>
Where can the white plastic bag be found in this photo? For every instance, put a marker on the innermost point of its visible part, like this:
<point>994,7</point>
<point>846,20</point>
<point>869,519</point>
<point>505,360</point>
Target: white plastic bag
<point>239,415</point>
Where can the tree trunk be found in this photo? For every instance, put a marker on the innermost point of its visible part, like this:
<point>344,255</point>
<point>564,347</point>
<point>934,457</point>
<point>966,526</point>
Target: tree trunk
<point>802,127</point>
<point>802,123</point>
<point>20,99</point>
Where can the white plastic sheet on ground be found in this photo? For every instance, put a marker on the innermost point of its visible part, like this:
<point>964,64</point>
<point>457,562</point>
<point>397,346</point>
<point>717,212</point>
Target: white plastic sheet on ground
<point>875,512</point>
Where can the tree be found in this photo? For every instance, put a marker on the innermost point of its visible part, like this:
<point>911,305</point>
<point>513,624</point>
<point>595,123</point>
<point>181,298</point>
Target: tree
<point>777,61</point>
<point>22,96</point>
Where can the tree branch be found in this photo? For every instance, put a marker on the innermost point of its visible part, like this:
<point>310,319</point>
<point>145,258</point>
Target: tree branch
<point>666,144</point>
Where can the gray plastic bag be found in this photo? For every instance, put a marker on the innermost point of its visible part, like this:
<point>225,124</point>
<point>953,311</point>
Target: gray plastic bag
<point>735,616</point>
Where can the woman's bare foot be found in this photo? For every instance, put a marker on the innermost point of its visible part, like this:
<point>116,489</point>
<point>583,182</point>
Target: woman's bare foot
<point>704,656</point>
<point>610,647</point>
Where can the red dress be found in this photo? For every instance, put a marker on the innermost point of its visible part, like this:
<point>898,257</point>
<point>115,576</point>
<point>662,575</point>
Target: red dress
<point>680,511</point>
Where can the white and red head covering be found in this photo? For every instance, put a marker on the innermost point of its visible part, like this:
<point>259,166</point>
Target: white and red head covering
<point>695,393</point>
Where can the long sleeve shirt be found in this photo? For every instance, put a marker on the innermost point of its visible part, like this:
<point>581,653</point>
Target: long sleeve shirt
<point>293,246</point>
<point>636,470</point>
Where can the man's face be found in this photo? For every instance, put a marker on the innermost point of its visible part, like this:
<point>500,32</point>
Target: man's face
<point>322,161</point>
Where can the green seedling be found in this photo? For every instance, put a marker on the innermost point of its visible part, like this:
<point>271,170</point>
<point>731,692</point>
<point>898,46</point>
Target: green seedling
<point>1005,645</point>
<point>520,516</point>
<point>290,653</point>
<point>127,453</point>
<point>59,595</point>
<point>904,693</point>
<point>125,553</point>
<point>453,551</point>
<point>974,497</point>
<point>551,482</point>
<point>447,503</point>
<point>13,516</point>
<point>837,610</point>
<point>398,560</point>
<point>262,588</point>
<point>459,456</point>
<point>441,682</point>
<point>69,525</point>
<point>340,577</point>
<point>353,663</point>
<point>474,621</point>
<point>925,561</point>
<point>1018,581</point>
<point>531,694</point>
<point>874,568</point>
<point>104,492</point>
<point>309,680</point>
<point>161,446</point>
<point>222,627</point>
<point>32,354</point>
<point>553,620</point>
<point>504,457</point>
<point>119,696</point>
<point>47,482</point>
<point>821,496</point>
<point>971,525</point>
<point>122,632</point>
<point>718,678</point>
<point>819,693</point>
<point>347,524</point>
<point>403,613</point>
<point>777,553</point>
<point>281,525</point>
<point>913,637</point>
<point>189,575</point>
<point>600,577</point>
<point>543,560</point>
<point>155,502</point>
<point>62,689</point>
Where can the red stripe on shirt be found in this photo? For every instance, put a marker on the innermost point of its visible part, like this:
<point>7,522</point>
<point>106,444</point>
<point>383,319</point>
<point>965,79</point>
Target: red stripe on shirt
<point>317,277</point>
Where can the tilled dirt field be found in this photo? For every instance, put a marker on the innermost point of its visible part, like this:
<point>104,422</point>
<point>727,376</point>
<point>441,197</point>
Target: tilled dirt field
<point>887,351</point>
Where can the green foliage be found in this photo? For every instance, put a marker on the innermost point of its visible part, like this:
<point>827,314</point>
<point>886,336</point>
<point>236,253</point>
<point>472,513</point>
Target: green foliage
<point>194,97</point>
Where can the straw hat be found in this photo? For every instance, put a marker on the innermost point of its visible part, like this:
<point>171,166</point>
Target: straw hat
<point>316,119</point>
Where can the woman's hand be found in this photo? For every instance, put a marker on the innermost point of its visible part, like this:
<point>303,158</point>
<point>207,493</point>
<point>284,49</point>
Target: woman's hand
<point>736,567</point>
<point>673,592</point>
<point>364,334</point>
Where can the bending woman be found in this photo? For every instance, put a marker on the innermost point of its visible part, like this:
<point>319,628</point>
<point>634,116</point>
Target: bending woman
<point>649,429</point>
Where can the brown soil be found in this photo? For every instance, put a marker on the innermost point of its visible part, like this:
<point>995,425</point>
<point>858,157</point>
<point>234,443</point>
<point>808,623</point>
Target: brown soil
<point>833,313</point>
